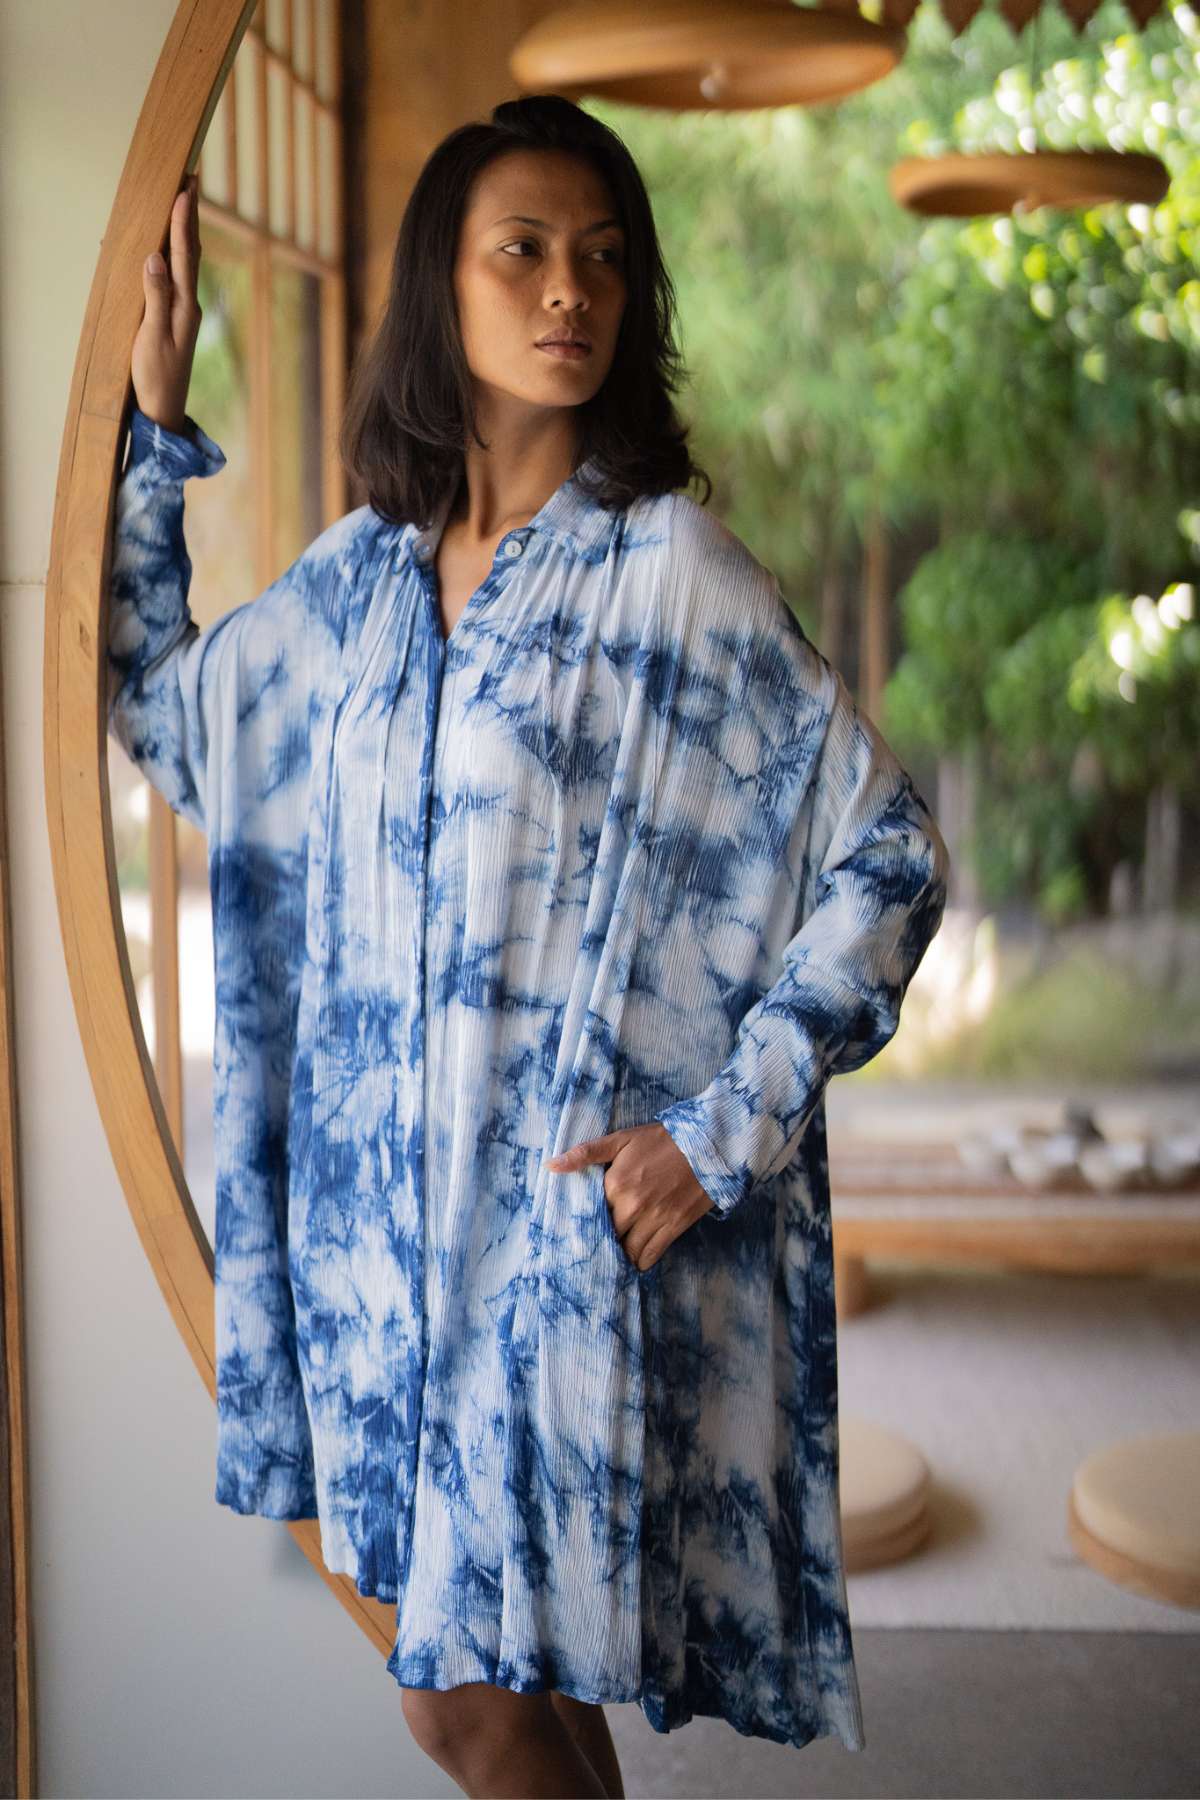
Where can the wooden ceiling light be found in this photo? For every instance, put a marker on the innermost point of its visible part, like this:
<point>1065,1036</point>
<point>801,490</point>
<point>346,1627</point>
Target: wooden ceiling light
<point>961,186</point>
<point>705,54</point>
<point>727,55</point>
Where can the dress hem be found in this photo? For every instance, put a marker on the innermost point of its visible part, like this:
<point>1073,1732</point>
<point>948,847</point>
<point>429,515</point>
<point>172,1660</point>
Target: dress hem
<point>662,1716</point>
<point>662,1719</point>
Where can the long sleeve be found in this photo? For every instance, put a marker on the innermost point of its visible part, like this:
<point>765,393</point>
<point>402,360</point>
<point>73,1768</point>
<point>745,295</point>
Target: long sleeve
<point>875,864</point>
<point>160,669</point>
<point>220,722</point>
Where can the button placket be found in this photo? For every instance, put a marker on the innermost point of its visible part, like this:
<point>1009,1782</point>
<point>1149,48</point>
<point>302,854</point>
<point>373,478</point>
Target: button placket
<point>506,553</point>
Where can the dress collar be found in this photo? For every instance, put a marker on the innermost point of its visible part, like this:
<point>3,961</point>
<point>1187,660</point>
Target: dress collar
<point>569,517</point>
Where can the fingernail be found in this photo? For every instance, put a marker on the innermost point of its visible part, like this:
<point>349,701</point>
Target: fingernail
<point>155,263</point>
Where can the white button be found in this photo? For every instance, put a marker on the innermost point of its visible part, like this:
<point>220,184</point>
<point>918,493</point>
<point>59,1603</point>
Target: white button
<point>513,547</point>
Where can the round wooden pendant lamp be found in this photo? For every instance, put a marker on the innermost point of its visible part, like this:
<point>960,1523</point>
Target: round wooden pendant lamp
<point>961,186</point>
<point>725,55</point>
<point>179,104</point>
<point>965,184</point>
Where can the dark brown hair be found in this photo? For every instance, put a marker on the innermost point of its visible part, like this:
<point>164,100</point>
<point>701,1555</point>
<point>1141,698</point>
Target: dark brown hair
<point>408,410</point>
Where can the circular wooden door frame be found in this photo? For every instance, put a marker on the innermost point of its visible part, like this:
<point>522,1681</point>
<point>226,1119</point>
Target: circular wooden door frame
<point>186,85</point>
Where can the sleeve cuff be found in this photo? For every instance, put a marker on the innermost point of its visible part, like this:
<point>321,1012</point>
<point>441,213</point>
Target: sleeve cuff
<point>175,455</point>
<point>725,1189</point>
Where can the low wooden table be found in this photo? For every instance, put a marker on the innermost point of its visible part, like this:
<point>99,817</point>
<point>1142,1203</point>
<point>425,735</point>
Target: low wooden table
<point>920,1201</point>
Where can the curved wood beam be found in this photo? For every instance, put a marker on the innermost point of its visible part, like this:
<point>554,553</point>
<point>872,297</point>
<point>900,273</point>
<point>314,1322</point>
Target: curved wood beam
<point>186,85</point>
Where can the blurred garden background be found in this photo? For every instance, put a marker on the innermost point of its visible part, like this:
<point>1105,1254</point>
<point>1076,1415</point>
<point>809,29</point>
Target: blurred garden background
<point>978,442</point>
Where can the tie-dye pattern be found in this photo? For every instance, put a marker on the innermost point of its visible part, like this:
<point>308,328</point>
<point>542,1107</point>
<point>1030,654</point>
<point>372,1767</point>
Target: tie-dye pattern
<point>621,848</point>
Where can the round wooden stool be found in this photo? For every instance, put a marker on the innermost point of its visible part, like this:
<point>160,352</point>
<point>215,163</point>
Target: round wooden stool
<point>1133,1514</point>
<point>884,1487</point>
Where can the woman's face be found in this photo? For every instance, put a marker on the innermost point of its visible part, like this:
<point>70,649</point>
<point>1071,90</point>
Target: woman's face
<point>540,250</point>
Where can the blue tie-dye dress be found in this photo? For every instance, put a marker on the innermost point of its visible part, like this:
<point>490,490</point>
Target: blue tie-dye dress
<point>621,848</point>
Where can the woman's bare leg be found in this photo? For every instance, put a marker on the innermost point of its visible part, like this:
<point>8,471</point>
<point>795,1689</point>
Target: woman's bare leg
<point>589,1727</point>
<point>498,1745</point>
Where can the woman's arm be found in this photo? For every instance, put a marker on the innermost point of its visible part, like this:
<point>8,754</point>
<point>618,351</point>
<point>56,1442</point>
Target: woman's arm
<point>779,795</point>
<point>160,664</point>
<point>218,720</point>
<point>880,894</point>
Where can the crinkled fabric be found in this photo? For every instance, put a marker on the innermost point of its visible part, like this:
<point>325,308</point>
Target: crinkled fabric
<point>621,848</point>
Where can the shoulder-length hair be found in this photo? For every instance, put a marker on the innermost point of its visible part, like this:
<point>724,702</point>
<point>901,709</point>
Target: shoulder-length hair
<point>409,406</point>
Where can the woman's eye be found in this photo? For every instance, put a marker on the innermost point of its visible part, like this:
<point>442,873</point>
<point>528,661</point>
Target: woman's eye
<point>606,250</point>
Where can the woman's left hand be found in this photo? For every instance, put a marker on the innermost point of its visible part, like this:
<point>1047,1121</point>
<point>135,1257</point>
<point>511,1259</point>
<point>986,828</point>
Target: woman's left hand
<point>651,1190</point>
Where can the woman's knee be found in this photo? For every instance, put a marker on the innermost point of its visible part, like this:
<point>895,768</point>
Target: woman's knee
<point>453,1723</point>
<point>434,1719</point>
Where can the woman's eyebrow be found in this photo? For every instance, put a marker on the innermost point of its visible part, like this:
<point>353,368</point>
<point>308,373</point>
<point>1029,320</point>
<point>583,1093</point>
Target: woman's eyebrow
<point>524,219</point>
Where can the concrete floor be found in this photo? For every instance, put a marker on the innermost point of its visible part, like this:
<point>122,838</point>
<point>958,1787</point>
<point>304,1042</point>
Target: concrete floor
<point>966,1714</point>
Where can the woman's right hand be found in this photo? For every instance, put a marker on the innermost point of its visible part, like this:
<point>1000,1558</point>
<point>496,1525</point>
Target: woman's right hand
<point>166,340</point>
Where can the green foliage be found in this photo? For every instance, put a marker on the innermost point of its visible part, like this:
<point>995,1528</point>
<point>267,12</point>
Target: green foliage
<point>220,376</point>
<point>1138,681</point>
<point>1027,386</point>
<point>968,604</point>
<point>1023,695</point>
<point>1084,1017</point>
<point>133,869</point>
<point>1036,813</point>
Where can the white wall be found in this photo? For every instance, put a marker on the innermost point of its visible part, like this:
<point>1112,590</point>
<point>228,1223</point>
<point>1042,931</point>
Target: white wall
<point>178,1649</point>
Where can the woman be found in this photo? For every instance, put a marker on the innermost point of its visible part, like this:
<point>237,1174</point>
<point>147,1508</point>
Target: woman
<point>554,873</point>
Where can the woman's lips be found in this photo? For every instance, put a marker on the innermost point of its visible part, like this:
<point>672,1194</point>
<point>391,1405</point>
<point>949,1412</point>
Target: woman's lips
<point>569,351</point>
